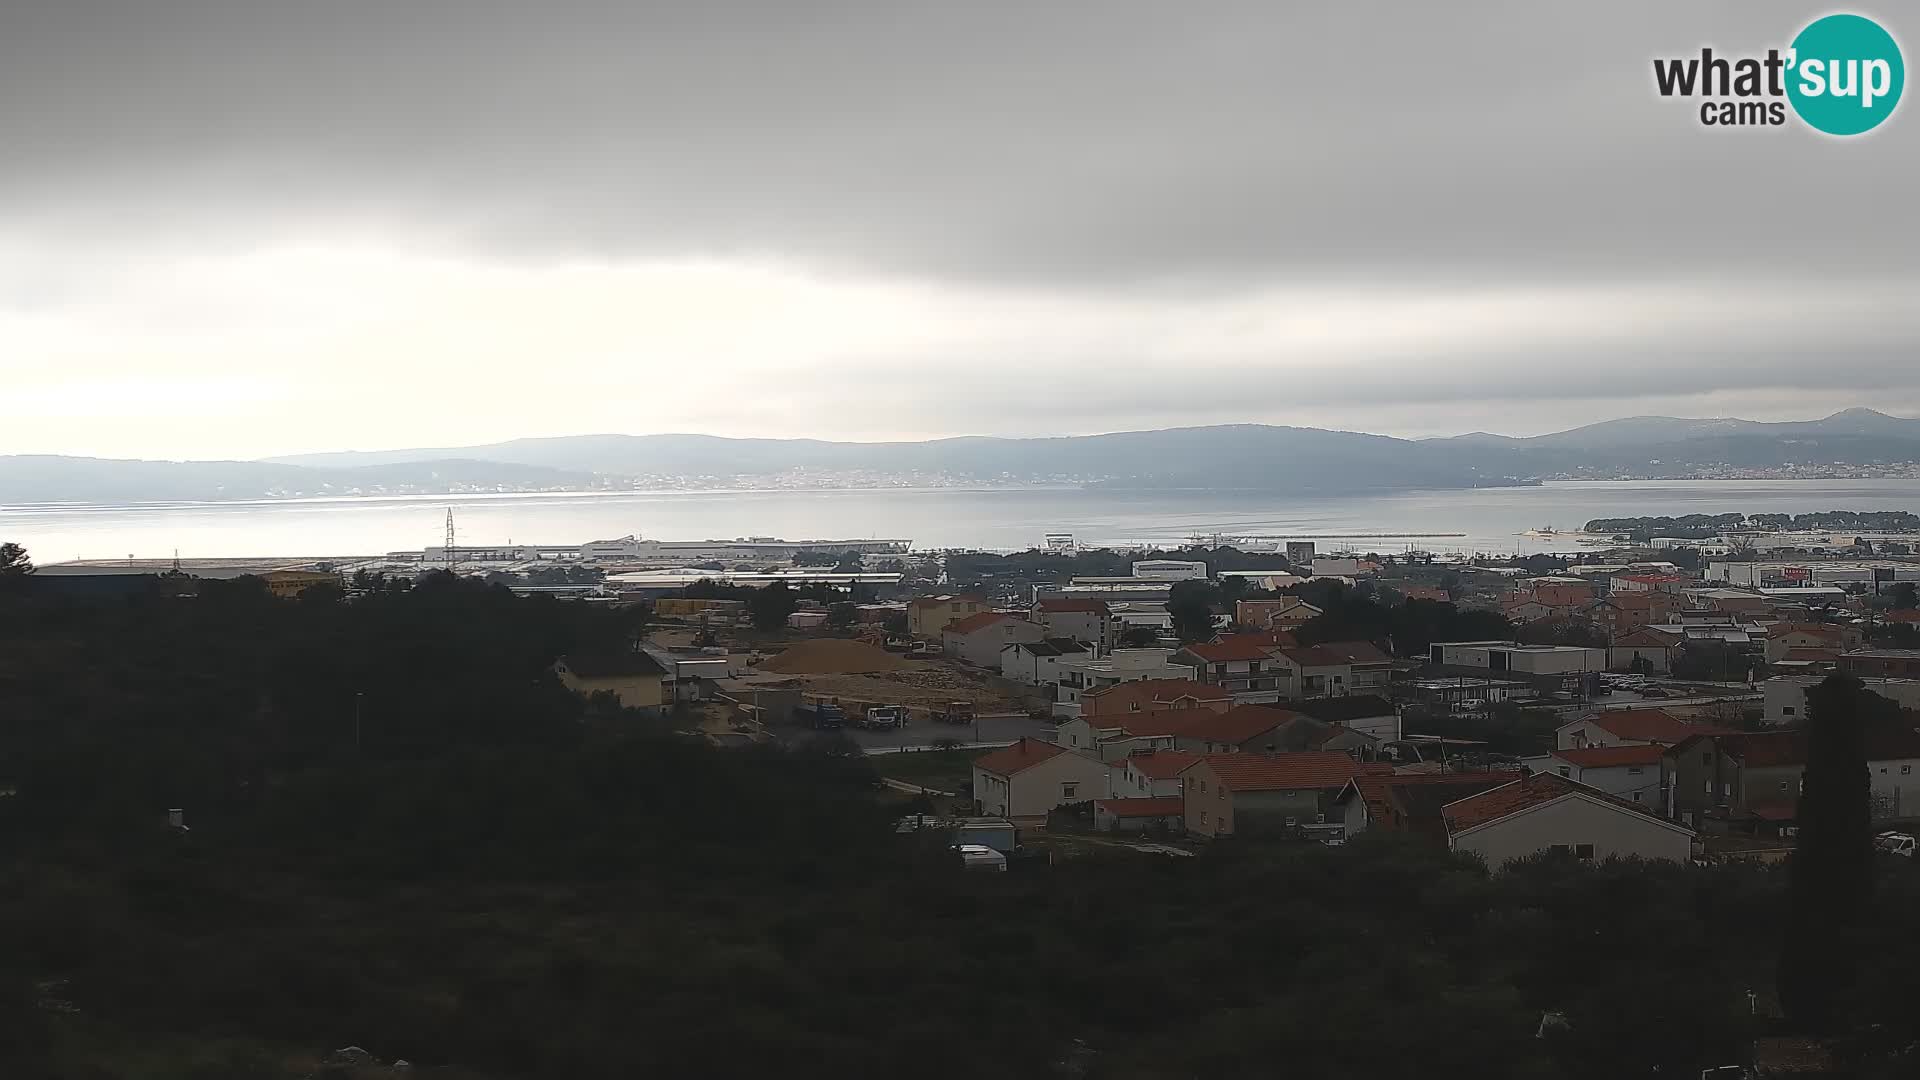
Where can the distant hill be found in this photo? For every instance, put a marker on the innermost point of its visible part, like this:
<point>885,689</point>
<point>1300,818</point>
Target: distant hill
<point>1232,456</point>
<point>1656,444</point>
<point>1229,457</point>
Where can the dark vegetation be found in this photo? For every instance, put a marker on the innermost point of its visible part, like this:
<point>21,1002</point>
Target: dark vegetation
<point>498,878</point>
<point>1704,525</point>
<point>1358,614</point>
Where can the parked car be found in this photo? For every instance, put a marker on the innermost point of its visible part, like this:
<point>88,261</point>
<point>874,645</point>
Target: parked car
<point>1895,843</point>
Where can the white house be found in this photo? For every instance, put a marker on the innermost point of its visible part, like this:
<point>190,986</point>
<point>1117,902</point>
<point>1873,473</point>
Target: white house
<point>1083,674</point>
<point>1037,662</point>
<point>1030,778</point>
<point>1631,771</point>
<point>978,639</point>
<point>1548,812</point>
<point>1113,738</point>
<point>1150,774</point>
<point>1089,621</point>
<point>1623,727</point>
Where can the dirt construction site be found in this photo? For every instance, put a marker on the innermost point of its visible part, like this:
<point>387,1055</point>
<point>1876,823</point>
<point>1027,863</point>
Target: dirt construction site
<point>857,671</point>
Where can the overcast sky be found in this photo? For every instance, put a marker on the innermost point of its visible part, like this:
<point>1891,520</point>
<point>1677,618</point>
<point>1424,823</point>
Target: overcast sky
<point>234,229</point>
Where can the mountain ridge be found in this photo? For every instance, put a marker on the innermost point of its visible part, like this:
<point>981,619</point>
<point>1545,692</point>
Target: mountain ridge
<point>1244,457</point>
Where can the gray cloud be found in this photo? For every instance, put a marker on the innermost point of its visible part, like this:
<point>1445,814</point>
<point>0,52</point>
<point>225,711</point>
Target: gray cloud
<point>1111,150</point>
<point>1064,140</point>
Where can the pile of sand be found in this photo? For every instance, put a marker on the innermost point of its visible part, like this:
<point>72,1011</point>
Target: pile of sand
<point>833,656</point>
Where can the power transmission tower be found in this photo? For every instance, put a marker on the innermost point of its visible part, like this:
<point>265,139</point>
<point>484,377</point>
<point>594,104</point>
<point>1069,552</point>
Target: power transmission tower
<point>450,557</point>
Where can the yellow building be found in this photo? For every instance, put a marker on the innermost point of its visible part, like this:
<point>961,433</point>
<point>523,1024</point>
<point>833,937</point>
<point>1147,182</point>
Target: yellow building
<point>291,583</point>
<point>634,677</point>
<point>928,615</point>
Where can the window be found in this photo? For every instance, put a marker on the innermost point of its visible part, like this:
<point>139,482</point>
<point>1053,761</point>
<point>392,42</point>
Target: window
<point>1706,757</point>
<point>1783,785</point>
<point>1634,770</point>
<point>1583,851</point>
<point>1291,822</point>
<point>1221,794</point>
<point>1636,796</point>
<point>1203,819</point>
<point>1558,849</point>
<point>1906,770</point>
<point>1067,791</point>
<point>1565,771</point>
<point>1786,710</point>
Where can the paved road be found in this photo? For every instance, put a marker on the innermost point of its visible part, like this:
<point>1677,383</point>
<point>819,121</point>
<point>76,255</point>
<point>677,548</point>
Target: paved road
<point>992,729</point>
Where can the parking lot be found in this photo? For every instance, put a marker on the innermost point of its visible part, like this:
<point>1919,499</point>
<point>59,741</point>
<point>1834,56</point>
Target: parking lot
<point>996,728</point>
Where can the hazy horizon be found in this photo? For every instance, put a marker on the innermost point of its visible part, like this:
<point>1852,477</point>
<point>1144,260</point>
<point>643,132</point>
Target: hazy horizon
<point>308,452</point>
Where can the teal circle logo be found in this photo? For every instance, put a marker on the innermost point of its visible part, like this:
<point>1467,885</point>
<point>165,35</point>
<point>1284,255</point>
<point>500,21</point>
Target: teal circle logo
<point>1845,74</point>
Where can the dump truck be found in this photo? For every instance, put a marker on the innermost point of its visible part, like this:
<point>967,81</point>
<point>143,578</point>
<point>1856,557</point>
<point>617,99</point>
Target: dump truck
<point>821,715</point>
<point>883,717</point>
<point>954,712</point>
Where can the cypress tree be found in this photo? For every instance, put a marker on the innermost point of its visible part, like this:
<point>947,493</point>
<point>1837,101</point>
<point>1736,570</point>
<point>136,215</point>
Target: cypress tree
<point>1833,864</point>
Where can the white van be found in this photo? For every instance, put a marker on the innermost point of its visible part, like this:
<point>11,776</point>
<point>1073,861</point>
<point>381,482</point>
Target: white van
<point>981,857</point>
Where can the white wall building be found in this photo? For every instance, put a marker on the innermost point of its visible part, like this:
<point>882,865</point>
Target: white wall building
<point>1169,570</point>
<point>1512,656</point>
<point>1785,696</point>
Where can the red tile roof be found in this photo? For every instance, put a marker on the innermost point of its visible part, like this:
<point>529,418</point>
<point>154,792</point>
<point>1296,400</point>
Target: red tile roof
<point>1098,607</point>
<point>1151,722</point>
<point>1824,630</point>
<point>1807,652</point>
<point>1901,615</point>
<point>1496,803</point>
<point>1152,692</point>
<point>1233,647</point>
<point>1422,592</point>
<point>1236,725</point>
<point>1161,764</point>
<point>1654,579</point>
<point>937,601</point>
<point>978,621</point>
<point>1648,725</point>
<point>1317,656</point>
<point>1276,772</point>
<point>1158,806</point>
<point>1645,639</point>
<point>1356,652</point>
<point>1606,757</point>
<point>1526,792</point>
<point>1019,757</point>
<point>1641,599</point>
<point>1413,801</point>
